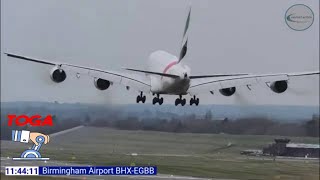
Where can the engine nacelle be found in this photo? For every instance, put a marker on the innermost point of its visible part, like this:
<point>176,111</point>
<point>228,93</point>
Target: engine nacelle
<point>279,86</point>
<point>228,91</point>
<point>58,75</point>
<point>101,84</point>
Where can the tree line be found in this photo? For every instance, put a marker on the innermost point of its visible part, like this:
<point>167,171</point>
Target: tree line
<point>177,124</point>
<point>192,124</point>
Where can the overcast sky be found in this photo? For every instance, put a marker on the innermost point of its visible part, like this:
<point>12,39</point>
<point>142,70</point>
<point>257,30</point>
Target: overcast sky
<point>225,36</point>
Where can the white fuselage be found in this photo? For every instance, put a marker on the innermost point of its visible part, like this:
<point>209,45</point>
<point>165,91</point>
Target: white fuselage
<point>163,62</point>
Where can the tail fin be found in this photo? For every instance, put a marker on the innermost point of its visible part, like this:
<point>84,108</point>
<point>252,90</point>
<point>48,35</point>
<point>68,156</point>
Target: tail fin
<point>184,48</point>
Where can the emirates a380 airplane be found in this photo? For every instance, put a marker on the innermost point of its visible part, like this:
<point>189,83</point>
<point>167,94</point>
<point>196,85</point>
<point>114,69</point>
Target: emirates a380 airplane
<point>166,74</point>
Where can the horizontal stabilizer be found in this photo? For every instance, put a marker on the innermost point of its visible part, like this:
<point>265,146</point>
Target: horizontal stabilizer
<point>154,73</point>
<point>216,75</point>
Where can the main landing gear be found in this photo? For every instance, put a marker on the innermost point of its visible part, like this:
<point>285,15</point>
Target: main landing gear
<point>194,100</point>
<point>141,98</point>
<point>180,101</point>
<point>157,100</point>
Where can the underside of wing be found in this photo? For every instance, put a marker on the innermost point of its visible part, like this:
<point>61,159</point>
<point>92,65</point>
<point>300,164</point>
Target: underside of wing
<point>227,85</point>
<point>102,78</point>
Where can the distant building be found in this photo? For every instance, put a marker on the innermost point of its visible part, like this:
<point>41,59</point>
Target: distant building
<point>282,147</point>
<point>252,152</point>
<point>315,117</point>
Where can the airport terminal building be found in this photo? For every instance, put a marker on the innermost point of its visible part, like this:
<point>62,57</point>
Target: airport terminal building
<point>282,147</point>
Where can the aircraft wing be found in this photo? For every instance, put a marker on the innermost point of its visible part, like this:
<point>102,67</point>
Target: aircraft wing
<point>203,85</point>
<point>136,81</point>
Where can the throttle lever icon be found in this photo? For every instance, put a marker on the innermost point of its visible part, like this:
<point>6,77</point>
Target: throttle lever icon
<point>34,152</point>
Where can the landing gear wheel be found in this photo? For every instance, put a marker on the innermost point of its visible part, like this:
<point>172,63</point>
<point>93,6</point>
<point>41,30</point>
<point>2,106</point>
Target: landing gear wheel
<point>155,100</point>
<point>197,101</point>
<point>141,98</point>
<point>177,101</point>
<point>160,101</point>
<point>183,102</point>
<point>194,100</point>
<point>191,101</point>
<point>138,99</point>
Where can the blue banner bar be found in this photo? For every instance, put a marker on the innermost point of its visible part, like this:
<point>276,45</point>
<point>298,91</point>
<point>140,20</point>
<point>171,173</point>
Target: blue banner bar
<point>97,170</point>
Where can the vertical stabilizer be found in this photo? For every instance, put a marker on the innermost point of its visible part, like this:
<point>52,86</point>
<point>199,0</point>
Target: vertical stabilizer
<point>184,47</point>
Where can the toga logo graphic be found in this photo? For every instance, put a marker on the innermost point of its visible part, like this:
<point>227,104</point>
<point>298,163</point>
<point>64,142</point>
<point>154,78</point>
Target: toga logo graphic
<point>299,17</point>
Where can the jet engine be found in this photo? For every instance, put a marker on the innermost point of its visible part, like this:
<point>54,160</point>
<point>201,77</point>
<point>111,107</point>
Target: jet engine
<point>101,84</point>
<point>58,75</point>
<point>279,86</point>
<point>228,91</point>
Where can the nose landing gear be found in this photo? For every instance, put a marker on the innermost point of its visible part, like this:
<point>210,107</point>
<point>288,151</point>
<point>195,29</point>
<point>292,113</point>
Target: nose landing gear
<point>194,100</point>
<point>180,101</point>
<point>141,98</point>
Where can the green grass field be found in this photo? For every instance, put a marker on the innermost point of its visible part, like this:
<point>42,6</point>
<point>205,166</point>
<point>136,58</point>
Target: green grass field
<point>199,155</point>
